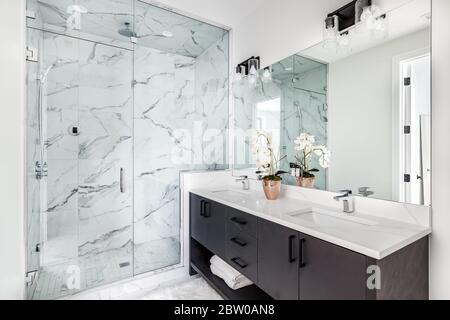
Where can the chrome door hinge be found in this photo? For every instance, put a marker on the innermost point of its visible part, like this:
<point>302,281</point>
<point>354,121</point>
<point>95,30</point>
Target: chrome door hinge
<point>31,14</point>
<point>30,277</point>
<point>32,54</point>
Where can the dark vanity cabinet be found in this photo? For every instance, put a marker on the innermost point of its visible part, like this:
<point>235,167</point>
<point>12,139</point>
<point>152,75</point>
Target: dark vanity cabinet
<point>329,272</point>
<point>285,264</point>
<point>294,266</point>
<point>208,223</point>
<point>278,260</point>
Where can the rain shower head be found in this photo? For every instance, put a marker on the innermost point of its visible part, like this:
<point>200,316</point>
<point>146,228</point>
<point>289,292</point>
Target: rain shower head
<point>127,32</point>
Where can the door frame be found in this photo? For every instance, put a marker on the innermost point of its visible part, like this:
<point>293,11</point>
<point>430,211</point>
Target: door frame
<point>398,112</point>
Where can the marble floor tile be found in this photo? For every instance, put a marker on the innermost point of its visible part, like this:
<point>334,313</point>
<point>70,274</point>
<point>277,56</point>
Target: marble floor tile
<point>193,289</point>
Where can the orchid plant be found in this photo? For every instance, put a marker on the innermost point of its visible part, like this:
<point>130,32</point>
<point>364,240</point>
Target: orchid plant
<point>304,145</point>
<point>267,161</point>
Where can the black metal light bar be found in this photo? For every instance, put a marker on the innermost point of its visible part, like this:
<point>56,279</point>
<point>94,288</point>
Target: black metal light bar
<point>244,67</point>
<point>349,14</point>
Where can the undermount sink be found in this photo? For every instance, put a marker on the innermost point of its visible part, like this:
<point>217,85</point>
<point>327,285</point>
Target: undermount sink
<point>318,213</point>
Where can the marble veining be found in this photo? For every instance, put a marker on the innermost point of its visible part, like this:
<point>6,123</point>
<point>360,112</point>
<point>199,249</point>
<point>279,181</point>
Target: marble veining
<point>148,110</point>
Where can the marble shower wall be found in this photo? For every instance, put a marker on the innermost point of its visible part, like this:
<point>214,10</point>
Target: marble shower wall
<point>86,214</point>
<point>181,117</point>
<point>152,109</point>
<point>305,111</point>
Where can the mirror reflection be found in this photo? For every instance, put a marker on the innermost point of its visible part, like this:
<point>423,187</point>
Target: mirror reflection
<point>353,114</point>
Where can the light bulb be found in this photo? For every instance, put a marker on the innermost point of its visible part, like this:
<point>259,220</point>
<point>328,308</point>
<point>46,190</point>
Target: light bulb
<point>267,75</point>
<point>380,30</point>
<point>344,42</point>
<point>330,33</point>
<point>252,80</point>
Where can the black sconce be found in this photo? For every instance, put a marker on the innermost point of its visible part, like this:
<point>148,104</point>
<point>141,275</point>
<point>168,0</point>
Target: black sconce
<point>347,16</point>
<point>252,63</point>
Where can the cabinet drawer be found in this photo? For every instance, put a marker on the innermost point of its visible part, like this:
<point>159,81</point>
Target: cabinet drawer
<point>247,265</point>
<point>240,243</point>
<point>244,222</point>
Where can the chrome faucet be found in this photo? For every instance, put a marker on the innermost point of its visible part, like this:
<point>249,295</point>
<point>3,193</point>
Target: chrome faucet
<point>365,192</point>
<point>245,182</point>
<point>347,200</point>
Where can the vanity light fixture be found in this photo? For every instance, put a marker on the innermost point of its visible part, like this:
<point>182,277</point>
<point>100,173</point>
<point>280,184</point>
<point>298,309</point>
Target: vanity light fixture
<point>338,24</point>
<point>267,75</point>
<point>250,68</point>
<point>375,21</point>
<point>245,66</point>
<point>344,42</point>
<point>330,32</point>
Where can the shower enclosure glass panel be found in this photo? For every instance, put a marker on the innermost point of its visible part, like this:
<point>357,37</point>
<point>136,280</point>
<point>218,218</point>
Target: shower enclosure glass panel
<point>181,117</point>
<point>123,96</point>
<point>85,202</point>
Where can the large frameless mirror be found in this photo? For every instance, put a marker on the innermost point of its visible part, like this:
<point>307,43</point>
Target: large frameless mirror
<point>352,112</point>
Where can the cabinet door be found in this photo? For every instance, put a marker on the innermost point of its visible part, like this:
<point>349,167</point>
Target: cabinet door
<point>278,260</point>
<point>197,221</point>
<point>215,216</point>
<point>329,272</point>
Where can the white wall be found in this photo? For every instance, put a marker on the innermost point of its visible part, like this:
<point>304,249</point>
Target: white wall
<point>282,28</point>
<point>440,242</point>
<point>12,87</point>
<point>360,116</point>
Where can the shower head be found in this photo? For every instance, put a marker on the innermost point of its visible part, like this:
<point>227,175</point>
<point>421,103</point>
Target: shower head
<point>127,32</point>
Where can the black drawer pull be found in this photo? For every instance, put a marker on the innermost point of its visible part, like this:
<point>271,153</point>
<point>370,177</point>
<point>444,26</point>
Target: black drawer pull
<point>238,242</point>
<point>202,208</point>
<point>207,211</point>
<point>239,263</point>
<point>291,249</point>
<point>236,220</point>
<point>302,259</point>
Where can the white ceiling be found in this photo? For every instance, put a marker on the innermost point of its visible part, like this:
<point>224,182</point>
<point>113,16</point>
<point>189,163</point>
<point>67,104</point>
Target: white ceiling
<point>225,12</point>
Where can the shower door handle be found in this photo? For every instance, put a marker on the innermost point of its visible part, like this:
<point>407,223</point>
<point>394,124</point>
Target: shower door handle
<point>122,178</point>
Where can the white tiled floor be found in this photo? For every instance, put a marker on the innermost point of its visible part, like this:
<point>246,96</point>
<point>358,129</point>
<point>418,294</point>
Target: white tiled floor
<point>193,289</point>
<point>172,284</point>
<point>94,271</point>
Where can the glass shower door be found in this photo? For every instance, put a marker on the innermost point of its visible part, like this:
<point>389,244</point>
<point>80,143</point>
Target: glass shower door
<point>105,164</point>
<point>85,205</point>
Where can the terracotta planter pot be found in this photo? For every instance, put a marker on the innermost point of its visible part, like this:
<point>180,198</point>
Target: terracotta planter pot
<point>306,182</point>
<point>272,189</point>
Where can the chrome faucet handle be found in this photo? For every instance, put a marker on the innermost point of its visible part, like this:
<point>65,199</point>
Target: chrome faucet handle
<point>365,191</point>
<point>245,182</point>
<point>346,192</point>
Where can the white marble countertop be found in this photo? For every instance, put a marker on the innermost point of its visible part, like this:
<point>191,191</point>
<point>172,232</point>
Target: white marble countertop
<point>369,235</point>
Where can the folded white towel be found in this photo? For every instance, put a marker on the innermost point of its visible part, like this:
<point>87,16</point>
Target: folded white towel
<point>229,272</point>
<point>232,284</point>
